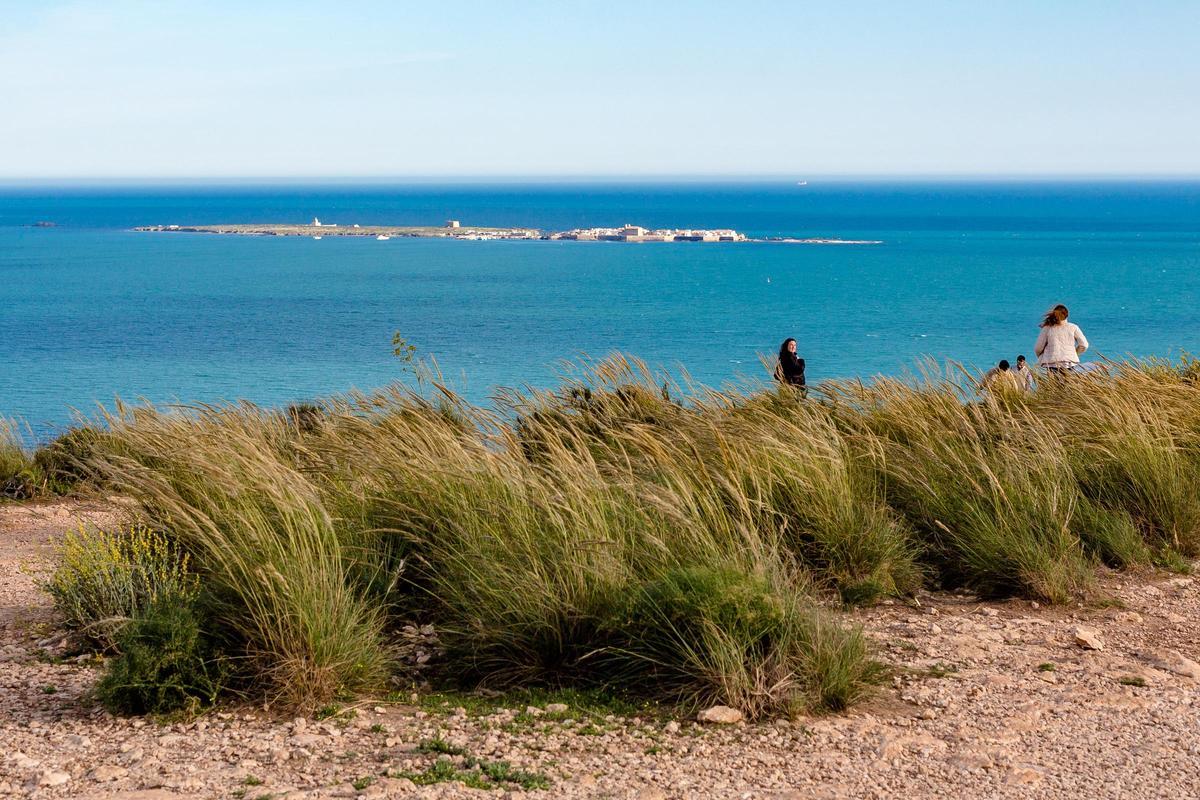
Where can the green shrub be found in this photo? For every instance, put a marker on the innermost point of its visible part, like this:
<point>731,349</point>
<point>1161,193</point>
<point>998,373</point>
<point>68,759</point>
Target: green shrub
<point>706,635</point>
<point>166,662</point>
<point>102,579</point>
<point>686,601</point>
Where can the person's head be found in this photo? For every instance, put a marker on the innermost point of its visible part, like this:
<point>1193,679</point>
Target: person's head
<point>1020,361</point>
<point>788,346</point>
<point>1055,316</point>
<point>1004,365</point>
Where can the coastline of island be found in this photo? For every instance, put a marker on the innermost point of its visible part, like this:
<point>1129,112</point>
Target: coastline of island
<point>453,229</point>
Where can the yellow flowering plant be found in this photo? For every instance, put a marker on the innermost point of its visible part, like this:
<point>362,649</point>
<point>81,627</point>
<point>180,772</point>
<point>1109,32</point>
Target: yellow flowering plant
<point>104,578</point>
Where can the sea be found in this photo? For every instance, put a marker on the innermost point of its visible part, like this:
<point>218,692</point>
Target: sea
<point>91,310</point>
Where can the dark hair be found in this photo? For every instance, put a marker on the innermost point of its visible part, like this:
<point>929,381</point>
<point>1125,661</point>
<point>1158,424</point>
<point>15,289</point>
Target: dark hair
<point>1003,364</point>
<point>1020,358</point>
<point>783,351</point>
<point>1055,316</point>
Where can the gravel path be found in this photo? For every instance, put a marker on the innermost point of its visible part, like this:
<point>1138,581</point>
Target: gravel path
<point>988,701</point>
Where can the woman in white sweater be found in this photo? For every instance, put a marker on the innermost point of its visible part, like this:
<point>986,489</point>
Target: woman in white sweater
<point>1060,343</point>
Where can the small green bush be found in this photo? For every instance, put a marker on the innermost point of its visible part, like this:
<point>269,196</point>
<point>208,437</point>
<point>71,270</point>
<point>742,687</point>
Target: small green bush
<point>166,663</point>
<point>717,635</point>
<point>103,579</point>
<point>684,602</point>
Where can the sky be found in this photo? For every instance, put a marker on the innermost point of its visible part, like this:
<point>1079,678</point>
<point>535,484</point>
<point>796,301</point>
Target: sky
<point>221,89</point>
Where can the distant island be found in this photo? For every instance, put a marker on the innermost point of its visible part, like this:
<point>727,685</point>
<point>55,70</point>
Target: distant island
<point>453,229</point>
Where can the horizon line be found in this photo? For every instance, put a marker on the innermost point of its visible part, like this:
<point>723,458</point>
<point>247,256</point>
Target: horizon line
<point>998,177</point>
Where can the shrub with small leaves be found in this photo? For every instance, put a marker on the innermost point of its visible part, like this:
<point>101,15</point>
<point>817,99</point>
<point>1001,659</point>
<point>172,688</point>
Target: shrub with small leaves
<point>167,663</point>
<point>105,578</point>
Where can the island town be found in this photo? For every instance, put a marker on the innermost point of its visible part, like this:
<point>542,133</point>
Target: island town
<point>454,229</point>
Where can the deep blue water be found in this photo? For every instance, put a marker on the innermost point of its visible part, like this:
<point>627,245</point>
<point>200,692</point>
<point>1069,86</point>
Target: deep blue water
<point>89,310</point>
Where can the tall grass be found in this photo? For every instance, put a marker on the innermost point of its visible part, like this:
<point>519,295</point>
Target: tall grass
<point>626,531</point>
<point>273,561</point>
<point>985,483</point>
<point>1134,441</point>
<point>19,477</point>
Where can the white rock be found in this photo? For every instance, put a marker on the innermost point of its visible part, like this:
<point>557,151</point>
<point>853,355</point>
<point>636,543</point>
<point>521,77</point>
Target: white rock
<point>108,772</point>
<point>53,777</point>
<point>556,708</point>
<point>307,740</point>
<point>671,727</point>
<point>1018,775</point>
<point>23,761</point>
<point>721,715</point>
<point>1173,662</point>
<point>1088,639</point>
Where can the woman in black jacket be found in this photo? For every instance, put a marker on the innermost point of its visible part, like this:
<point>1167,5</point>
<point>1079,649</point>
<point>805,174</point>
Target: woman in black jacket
<point>790,369</point>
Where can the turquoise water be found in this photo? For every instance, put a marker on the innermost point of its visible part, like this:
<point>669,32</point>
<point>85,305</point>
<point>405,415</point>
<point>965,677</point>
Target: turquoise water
<point>89,310</point>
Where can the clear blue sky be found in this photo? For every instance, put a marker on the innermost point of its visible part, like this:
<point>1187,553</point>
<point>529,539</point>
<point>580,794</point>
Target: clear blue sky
<point>215,89</point>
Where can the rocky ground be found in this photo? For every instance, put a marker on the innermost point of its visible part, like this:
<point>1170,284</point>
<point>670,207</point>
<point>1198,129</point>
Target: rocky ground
<point>987,700</point>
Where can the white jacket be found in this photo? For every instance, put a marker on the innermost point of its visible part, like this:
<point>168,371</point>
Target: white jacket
<point>1060,344</point>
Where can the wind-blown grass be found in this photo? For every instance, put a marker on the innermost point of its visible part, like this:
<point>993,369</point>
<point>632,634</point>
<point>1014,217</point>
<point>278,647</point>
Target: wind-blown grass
<point>623,532</point>
<point>269,552</point>
<point>20,478</point>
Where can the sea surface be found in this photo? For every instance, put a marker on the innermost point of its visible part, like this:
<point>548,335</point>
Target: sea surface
<point>90,310</point>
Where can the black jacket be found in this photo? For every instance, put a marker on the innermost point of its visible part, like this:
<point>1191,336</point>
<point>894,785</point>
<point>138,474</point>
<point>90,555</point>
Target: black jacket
<point>790,369</point>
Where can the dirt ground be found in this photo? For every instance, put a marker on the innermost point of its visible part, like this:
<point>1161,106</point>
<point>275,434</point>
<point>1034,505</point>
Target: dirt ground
<point>987,700</point>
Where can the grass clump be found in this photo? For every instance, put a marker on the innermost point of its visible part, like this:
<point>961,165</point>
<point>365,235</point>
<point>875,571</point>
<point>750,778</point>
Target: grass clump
<point>64,460</point>
<point>53,469</point>
<point>274,563</point>
<point>1134,442</point>
<point>802,478</point>
<point>440,746</point>
<point>475,773</point>
<point>20,478</point>
<point>984,484</point>
<point>103,579</point>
